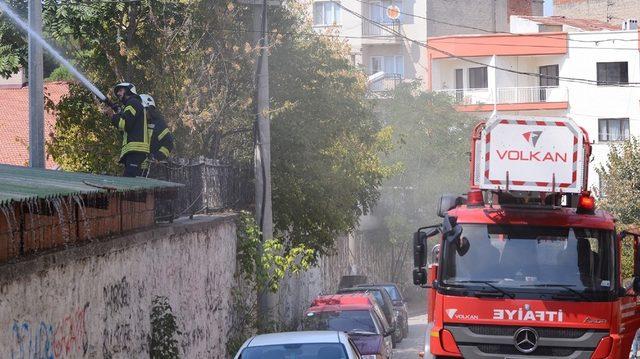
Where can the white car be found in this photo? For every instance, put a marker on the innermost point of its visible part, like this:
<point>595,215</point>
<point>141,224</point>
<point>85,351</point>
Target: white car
<point>302,345</point>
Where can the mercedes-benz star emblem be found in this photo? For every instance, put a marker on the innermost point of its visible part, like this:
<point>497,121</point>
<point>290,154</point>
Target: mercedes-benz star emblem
<point>526,340</point>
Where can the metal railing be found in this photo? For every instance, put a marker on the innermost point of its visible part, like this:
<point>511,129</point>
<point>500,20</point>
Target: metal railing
<point>372,29</point>
<point>209,186</point>
<point>382,82</point>
<point>508,95</point>
<point>531,94</point>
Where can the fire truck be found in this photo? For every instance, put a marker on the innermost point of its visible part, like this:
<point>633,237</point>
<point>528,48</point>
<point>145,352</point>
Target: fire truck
<point>524,265</point>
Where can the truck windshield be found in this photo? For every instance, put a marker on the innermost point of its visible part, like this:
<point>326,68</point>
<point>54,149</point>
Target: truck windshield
<point>577,261</point>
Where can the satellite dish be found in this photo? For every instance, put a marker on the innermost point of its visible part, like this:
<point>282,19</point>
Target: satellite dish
<point>393,12</point>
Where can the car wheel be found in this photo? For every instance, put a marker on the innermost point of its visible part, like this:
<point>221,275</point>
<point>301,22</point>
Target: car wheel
<point>405,332</point>
<point>393,342</point>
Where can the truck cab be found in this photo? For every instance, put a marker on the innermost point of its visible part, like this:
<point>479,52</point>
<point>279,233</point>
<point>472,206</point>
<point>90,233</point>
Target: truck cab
<point>532,272</point>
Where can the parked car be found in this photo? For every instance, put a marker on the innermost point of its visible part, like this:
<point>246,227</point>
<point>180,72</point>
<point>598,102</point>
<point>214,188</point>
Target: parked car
<point>311,345</point>
<point>356,314</point>
<point>386,304</point>
<point>399,304</point>
<point>348,281</point>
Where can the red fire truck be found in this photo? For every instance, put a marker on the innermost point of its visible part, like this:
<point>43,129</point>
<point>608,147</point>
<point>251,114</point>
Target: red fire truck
<point>524,265</point>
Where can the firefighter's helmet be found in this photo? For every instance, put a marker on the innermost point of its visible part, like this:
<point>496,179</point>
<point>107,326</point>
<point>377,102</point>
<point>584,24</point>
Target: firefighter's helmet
<point>147,100</point>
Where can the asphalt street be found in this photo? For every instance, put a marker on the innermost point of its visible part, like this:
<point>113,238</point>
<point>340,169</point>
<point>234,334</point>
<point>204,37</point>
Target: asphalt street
<point>414,343</point>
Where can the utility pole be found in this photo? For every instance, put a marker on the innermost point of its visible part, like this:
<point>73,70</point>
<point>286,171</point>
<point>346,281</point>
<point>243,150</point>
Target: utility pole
<point>36,92</point>
<point>262,148</point>
<point>262,141</point>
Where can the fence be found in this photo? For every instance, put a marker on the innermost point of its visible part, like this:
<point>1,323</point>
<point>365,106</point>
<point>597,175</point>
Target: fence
<point>209,186</point>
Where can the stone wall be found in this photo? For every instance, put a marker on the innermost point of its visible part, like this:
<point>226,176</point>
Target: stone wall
<point>354,254</point>
<point>96,301</point>
<point>603,10</point>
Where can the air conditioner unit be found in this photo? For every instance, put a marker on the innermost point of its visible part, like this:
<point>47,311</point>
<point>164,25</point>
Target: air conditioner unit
<point>630,24</point>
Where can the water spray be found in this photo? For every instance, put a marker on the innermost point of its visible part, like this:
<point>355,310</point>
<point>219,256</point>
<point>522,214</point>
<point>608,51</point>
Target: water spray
<point>35,36</point>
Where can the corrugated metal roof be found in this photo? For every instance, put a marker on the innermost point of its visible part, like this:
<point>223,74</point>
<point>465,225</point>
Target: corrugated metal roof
<point>24,183</point>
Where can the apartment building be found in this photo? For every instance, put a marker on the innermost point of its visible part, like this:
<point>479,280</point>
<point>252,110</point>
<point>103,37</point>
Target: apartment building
<point>387,54</point>
<point>583,69</point>
<point>612,11</point>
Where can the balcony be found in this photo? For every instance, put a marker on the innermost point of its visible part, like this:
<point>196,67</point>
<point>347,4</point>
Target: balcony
<point>373,34</point>
<point>382,85</point>
<point>509,98</point>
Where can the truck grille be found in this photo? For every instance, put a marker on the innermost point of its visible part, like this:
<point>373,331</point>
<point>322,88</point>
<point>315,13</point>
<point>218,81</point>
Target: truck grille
<point>543,332</point>
<point>511,350</point>
<point>493,341</point>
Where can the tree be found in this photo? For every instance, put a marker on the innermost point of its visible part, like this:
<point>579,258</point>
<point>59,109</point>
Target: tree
<point>13,46</point>
<point>620,192</point>
<point>197,59</point>
<point>431,155</point>
<point>326,141</point>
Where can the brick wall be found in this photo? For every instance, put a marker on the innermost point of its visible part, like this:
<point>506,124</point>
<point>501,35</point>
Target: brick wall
<point>520,7</point>
<point>603,10</point>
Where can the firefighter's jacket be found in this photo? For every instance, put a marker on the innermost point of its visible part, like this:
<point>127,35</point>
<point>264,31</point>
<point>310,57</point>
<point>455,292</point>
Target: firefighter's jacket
<point>161,136</point>
<point>132,121</point>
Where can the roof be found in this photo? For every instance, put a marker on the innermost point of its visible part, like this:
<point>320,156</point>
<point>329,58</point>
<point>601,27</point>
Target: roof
<point>23,183</point>
<point>583,24</point>
<point>351,301</point>
<point>557,217</point>
<point>14,122</point>
<point>298,338</point>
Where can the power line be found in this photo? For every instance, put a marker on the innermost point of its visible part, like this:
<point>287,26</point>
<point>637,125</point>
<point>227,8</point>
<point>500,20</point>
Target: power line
<point>493,31</point>
<point>425,45</point>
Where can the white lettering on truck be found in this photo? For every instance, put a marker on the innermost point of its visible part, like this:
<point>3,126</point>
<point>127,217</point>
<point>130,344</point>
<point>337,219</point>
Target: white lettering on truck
<point>528,315</point>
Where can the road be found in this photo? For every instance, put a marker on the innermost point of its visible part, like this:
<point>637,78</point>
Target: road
<point>414,343</point>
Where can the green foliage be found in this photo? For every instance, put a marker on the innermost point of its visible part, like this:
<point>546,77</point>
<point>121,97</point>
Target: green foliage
<point>13,44</point>
<point>197,59</point>
<point>84,140</point>
<point>620,192</point>
<point>621,183</point>
<point>163,343</point>
<point>60,74</point>
<point>326,141</point>
<point>431,153</point>
<point>265,264</point>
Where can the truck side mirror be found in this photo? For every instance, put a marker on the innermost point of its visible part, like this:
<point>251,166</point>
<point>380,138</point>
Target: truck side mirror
<point>420,276</point>
<point>419,249</point>
<point>420,246</point>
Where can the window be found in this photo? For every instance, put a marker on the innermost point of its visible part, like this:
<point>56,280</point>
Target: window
<point>611,73</point>
<point>549,76</point>
<point>379,11</point>
<point>387,64</point>
<point>478,78</point>
<point>613,129</point>
<point>326,13</point>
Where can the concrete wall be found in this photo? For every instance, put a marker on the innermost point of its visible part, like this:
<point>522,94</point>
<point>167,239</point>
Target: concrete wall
<point>603,10</point>
<point>488,15</point>
<point>96,301</point>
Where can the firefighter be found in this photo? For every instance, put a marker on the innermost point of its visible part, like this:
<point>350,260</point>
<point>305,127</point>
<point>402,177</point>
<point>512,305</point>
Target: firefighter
<point>160,135</point>
<point>132,121</point>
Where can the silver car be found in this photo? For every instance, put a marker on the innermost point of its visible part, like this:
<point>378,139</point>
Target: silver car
<point>311,345</point>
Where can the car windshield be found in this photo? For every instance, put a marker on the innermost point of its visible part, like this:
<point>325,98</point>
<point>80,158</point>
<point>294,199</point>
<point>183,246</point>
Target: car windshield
<point>518,257</point>
<point>344,321</point>
<point>296,351</point>
<point>393,292</point>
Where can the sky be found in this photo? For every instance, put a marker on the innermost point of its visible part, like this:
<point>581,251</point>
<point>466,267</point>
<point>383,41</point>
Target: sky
<point>548,7</point>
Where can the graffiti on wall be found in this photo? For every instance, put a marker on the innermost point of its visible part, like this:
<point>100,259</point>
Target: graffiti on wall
<point>66,338</point>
